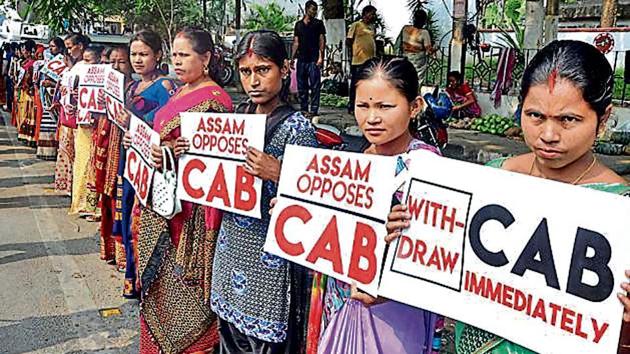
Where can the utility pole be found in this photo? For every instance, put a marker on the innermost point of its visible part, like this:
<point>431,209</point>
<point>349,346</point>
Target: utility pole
<point>457,60</point>
<point>551,21</point>
<point>609,13</point>
<point>237,20</point>
<point>534,16</point>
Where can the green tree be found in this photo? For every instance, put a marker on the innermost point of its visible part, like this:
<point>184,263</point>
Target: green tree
<point>497,16</point>
<point>55,13</point>
<point>164,16</point>
<point>270,16</point>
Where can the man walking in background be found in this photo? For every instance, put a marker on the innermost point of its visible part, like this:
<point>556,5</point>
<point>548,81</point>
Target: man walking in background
<point>309,41</point>
<point>360,40</point>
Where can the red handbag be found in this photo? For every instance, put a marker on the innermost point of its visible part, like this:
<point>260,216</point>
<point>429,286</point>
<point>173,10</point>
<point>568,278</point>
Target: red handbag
<point>67,120</point>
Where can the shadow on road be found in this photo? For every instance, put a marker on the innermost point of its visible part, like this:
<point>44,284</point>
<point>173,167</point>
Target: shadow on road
<point>39,333</point>
<point>35,202</point>
<point>20,163</point>
<point>23,181</point>
<point>31,250</point>
<point>17,151</point>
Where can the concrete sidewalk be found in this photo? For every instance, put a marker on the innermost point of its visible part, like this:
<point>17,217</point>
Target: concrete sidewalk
<point>53,283</point>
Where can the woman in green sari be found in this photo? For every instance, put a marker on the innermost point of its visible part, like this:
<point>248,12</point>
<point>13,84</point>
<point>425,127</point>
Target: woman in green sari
<point>566,99</point>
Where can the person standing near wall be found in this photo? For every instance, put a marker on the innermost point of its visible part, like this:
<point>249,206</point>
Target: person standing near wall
<point>309,42</point>
<point>414,42</point>
<point>361,39</point>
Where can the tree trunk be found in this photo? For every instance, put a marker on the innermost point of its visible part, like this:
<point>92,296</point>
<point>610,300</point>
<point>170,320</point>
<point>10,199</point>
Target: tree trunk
<point>551,21</point>
<point>609,13</point>
<point>534,18</point>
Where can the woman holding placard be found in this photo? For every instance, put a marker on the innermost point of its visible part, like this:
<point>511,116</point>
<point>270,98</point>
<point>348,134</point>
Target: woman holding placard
<point>143,99</point>
<point>47,142</point>
<point>75,44</point>
<point>26,112</point>
<point>84,198</point>
<point>106,153</point>
<point>250,286</point>
<point>386,110</point>
<point>175,256</point>
<point>566,100</point>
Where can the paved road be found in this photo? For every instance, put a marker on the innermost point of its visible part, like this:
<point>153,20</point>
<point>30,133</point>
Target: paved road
<point>52,281</point>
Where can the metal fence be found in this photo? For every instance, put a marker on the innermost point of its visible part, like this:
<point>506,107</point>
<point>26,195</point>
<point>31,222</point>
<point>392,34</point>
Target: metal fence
<point>483,69</point>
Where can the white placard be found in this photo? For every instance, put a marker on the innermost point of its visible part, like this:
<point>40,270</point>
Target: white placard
<point>138,167</point>
<point>211,173</point>
<point>54,67</point>
<point>331,210</point>
<point>115,96</point>
<point>91,82</point>
<point>535,261</point>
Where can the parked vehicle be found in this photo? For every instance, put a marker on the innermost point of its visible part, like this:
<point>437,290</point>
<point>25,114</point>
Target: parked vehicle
<point>225,65</point>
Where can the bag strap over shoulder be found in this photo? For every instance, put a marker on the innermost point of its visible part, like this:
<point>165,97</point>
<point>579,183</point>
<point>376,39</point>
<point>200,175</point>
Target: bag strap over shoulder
<point>167,159</point>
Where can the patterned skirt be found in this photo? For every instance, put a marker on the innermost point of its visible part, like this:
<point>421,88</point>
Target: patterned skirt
<point>47,141</point>
<point>84,199</point>
<point>65,161</point>
<point>26,118</point>
<point>175,312</point>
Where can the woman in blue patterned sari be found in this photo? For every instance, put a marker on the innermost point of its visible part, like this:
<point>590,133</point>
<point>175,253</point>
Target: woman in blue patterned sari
<point>255,293</point>
<point>144,98</point>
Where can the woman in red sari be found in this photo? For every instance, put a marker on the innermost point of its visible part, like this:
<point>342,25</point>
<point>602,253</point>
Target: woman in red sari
<point>14,70</point>
<point>38,108</point>
<point>106,156</point>
<point>26,112</point>
<point>175,256</point>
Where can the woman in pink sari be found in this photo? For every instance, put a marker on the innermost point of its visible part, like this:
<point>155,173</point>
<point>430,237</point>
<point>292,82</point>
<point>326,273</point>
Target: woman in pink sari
<point>175,256</point>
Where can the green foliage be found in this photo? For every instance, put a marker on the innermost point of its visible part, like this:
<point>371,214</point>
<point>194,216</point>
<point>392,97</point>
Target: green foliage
<point>620,90</point>
<point>519,32</point>
<point>270,16</point>
<point>164,16</point>
<point>492,16</point>
<point>55,12</point>
<point>510,17</point>
<point>496,16</point>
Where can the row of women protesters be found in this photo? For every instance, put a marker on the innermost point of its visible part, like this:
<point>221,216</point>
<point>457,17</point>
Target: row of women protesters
<point>204,282</point>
